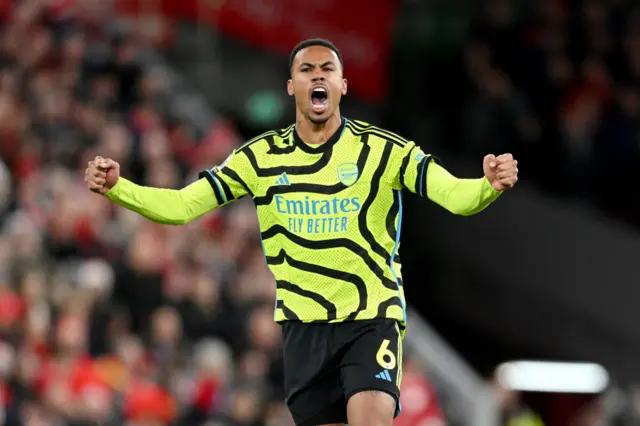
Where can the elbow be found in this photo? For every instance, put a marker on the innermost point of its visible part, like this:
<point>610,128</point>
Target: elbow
<point>187,217</point>
<point>168,221</point>
<point>462,210</point>
<point>465,206</point>
<point>456,207</point>
<point>183,220</point>
<point>186,214</point>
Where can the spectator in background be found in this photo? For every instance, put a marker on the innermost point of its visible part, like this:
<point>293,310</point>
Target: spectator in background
<point>420,405</point>
<point>105,319</point>
<point>556,83</point>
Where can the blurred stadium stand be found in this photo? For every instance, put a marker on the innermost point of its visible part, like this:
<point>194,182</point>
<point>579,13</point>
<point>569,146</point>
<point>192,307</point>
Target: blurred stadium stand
<point>105,318</point>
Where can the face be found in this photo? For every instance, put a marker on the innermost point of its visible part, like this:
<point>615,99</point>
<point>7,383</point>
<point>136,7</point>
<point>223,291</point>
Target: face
<point>166,325</point>
<point>317,83</point>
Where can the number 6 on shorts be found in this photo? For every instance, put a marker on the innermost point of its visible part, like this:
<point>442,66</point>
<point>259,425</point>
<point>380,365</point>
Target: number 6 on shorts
<point>385,357</point>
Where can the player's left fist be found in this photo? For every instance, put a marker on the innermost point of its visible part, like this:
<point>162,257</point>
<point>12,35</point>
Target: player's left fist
<point>501,171</point>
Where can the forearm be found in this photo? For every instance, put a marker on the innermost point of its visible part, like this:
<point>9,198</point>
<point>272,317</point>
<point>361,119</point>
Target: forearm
<point>460,196</point>
<point>165,206</point>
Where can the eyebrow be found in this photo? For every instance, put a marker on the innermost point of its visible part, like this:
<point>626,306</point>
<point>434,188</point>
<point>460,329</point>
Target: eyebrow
<point>307,64</point>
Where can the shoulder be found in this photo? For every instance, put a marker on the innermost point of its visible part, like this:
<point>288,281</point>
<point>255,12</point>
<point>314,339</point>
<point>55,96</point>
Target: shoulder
<point>358,127</point>
<point>268,138</point>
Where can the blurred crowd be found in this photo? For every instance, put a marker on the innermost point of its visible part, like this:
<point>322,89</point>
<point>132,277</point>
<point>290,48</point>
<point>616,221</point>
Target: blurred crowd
<point>106,318</point>
<point>556,82</point>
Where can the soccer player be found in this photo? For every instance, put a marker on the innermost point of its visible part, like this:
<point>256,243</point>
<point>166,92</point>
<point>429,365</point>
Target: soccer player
<point>328,193</point>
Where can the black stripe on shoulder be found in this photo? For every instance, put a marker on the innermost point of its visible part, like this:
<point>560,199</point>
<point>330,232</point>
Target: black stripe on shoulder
<point>227,171</point>
<point>274,149</point>
<point>373,193</point>
<point>345,243</point>
<point>283,133</point>
<point>330,273</point>
<point>362,133</point>
<point>286,132</point>
<point>208,174</point>
<point>288,313</point>
<point>256,139</point>
<point>382,308</point>
<point>394,137</point>
<point>359,128</point>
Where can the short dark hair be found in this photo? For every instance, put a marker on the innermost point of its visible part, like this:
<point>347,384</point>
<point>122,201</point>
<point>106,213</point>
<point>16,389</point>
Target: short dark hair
<point>314,42</point>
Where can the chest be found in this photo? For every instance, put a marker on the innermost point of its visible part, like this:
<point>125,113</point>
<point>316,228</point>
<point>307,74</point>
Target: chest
<point>321,193</point>
<point>345,168</point>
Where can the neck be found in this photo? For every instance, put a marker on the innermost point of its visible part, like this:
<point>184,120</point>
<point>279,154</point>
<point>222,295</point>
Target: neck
<point>317,133</point>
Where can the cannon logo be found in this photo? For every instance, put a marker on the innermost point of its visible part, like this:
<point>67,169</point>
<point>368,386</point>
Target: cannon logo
<point>348,173</point>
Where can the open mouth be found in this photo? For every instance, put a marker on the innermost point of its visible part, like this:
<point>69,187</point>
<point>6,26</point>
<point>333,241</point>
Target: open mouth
<point>319,99</point>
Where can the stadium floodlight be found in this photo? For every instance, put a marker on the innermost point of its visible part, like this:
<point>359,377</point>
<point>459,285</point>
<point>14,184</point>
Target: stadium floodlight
<point>557,377</point>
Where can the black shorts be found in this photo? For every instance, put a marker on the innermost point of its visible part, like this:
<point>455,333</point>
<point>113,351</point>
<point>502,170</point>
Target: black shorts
<point>326,364</point>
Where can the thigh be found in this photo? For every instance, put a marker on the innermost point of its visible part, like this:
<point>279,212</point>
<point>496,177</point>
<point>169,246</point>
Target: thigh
<point>314,393</point>
<point>371,408</point>
<point>373,362</point>
<point>322,403</point>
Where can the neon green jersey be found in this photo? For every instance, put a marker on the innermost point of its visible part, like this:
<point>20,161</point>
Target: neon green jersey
<point>330,215</point>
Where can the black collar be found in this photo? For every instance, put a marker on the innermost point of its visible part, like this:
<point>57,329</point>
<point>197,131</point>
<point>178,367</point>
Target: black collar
<point>322,147</point>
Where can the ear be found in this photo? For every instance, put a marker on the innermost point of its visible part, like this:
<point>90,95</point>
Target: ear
<point>290,87</point>
<point>344,87</point>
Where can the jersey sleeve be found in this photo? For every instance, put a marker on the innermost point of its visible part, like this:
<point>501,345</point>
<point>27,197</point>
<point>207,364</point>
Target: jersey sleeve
<point>424,175</point>
<point>233,179</point>
<point>223,184</point>
<point>165,206</point>
<point>410,165</point>
<point>464,197</point>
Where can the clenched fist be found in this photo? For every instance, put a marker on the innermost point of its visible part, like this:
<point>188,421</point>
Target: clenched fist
<point>102,174</point>
<point>501,171</point>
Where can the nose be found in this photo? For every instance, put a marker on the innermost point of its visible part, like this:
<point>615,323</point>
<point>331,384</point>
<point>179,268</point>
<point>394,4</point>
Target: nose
<point>317,77</point>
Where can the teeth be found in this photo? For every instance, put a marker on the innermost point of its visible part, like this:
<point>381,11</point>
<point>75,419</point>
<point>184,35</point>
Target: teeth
<point>319,89</point>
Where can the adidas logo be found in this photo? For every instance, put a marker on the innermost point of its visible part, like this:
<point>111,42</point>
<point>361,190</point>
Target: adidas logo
<point>384,376</point>
<point>283,180</point>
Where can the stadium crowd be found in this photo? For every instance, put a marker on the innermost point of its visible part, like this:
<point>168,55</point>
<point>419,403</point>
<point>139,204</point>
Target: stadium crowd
<point>106,318</point>
<point>556,82</point>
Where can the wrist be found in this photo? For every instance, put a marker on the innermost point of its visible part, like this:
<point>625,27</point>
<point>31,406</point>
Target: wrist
<point>489,184</point>
<point>113,191</point>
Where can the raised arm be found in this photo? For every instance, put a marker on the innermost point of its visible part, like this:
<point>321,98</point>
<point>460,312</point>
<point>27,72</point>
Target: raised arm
<point>166,206</point>
<point>423,175</point>
<point>470,196</point>
<point>464,197</point>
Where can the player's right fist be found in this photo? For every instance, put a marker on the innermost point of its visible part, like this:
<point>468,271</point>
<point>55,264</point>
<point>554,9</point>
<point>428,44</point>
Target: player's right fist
<point>102,174</point>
